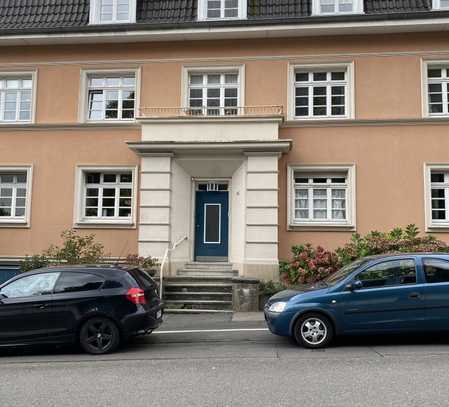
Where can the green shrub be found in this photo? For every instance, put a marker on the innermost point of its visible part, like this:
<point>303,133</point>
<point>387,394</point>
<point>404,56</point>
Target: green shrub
<point>311,264</point>
<point>146,263</point>
<point>75,249</point>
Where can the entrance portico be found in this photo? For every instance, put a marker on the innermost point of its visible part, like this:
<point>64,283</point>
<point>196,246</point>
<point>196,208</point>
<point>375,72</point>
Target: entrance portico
<point>219,192</point>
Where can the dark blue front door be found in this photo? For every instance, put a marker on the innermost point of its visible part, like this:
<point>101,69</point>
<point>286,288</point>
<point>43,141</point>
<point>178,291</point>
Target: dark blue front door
<point>211,225</point>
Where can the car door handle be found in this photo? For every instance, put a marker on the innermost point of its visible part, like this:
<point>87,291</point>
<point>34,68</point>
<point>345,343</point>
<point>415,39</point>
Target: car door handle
<point>40,306</point>
<point>414,295</point>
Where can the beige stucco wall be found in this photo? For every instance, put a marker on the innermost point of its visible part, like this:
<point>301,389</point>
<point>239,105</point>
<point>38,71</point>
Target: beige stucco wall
<point>389,158</point>
<point>54,156</point>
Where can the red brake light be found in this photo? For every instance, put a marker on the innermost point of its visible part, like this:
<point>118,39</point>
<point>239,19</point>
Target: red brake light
<point>136,296</point>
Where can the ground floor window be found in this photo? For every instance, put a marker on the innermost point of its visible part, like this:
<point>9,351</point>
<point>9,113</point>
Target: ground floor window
<point>322,196</point>
<point>438,196</point>
<point>106,195</point>
<point>14,194</point>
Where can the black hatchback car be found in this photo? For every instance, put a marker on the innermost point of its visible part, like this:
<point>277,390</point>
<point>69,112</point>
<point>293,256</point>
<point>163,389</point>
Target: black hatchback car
<point>97,307</point>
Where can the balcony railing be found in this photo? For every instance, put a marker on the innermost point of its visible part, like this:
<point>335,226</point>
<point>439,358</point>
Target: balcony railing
<point>209,112</point>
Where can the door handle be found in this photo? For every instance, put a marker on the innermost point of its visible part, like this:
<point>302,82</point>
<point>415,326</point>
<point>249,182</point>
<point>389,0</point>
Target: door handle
<point>40,306</point>
<point>414,295</point>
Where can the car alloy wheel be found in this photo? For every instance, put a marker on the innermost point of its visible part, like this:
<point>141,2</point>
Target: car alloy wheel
<point>99,336</point>
<point>313,331</point>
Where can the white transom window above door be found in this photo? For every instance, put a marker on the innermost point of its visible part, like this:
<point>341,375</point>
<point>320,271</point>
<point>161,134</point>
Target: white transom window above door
<point>15,195</point>
<point>105,195</point>
<point>322,196</point>
<point>321,92</point>
<point>109,96</point>
<point>213,92</point>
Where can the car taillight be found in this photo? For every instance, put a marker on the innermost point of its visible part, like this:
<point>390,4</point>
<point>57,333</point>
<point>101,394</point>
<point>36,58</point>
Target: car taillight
<point>136,296</point>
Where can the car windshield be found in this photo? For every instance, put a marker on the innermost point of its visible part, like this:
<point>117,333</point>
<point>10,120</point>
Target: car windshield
<point>343,272</point>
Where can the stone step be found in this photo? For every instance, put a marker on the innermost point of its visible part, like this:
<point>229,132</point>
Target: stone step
<point>203,279</point>
<point>198,295</point>
<point>208,266</point>
<point>198,304</point>
<point>198,287</point>
<point>201,273</point>
<point>196,311</point>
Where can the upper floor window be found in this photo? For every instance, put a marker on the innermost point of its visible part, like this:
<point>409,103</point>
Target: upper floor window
<point>440,4</point>
<point>438,90</point>
<point>111,96</point>
<point>112,11</point>
<point>322,92</point>
<point>222,9</point>
<point>322,196</point>
<point>16,98</point>
<point>213,93</point>
<point>325,7</point>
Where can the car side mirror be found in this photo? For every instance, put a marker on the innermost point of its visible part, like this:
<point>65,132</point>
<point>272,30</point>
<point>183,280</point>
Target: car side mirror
<point>2,297</point>
<point>355,285</point>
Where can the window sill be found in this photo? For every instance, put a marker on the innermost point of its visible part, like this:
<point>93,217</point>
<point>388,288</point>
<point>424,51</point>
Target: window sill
<point>20,224</point>
<point>323,227</point>
<point>104,225</point>
<point>444,228</point>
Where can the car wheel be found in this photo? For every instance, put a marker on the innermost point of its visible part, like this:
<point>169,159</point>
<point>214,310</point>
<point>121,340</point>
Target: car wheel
<point>99,336</point>
<point>313,331</point>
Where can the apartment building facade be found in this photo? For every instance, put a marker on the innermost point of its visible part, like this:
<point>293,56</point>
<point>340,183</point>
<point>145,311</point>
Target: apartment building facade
<point>238,128</point>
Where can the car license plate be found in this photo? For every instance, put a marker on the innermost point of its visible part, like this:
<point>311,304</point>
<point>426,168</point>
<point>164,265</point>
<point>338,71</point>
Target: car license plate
<point>159,314</point>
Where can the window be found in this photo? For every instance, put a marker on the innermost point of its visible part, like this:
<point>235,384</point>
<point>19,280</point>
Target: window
<point>16,98</point>
<point>437,191</point>
<point>323,7</point>
<point>389,273</point>
<point>106,195</point>
<point>213,93</point>
<point>111,97</point>
<point>78,282</point>
<point>112,11</point>
<point>222,9</point>
<point>38,284</point>
<point>440,4</point>
<point>321,93</point>
<point>437,90</point>
<point>436,270</point>
<point>322,197</point>
<point>14,194</point>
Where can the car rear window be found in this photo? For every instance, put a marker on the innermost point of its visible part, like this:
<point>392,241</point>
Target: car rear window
<point>142,278</point>
<point>76,282</point>
<point>436,270</point>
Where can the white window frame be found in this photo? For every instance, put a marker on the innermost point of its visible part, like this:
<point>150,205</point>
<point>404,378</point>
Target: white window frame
<point>349,222</point>
<point>187,70</point>
<point>431,224</point>
<point>425,91</point>
<point>357,8</point>
<point>349,97</point>
<point>83,109</point>
<point>242,12</point>
<point>80,219</point>
<point>436,5</point>
<point>95,13</point>
<point>20,221</point>
<point>33,76</point>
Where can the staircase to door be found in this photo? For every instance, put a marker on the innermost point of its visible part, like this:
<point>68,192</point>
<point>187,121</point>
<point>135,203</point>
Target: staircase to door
<point>200,288</point>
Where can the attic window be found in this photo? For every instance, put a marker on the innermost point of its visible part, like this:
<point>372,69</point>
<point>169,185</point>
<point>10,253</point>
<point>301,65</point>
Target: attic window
<point>112,11</point>
<point>332,7</point>
<point>222,9</point>
<point>440,4</point>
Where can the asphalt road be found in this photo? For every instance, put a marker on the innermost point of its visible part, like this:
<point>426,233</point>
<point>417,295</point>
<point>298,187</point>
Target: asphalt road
<point>232,368</point>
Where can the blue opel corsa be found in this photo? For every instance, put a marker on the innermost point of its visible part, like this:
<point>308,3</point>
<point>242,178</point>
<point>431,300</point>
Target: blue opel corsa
<point>379,294</point>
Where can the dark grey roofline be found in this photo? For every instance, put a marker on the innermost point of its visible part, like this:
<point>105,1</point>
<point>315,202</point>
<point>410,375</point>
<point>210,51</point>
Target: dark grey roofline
<point>306,21</point>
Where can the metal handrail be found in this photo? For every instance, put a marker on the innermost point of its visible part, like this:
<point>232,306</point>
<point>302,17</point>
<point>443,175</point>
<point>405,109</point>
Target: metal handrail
<point>164,260</point>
